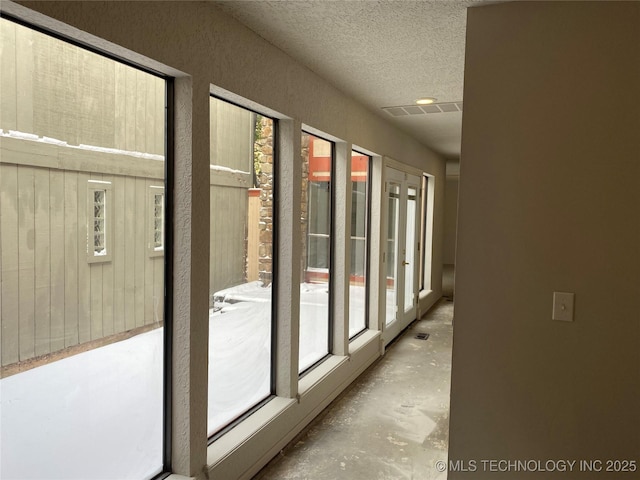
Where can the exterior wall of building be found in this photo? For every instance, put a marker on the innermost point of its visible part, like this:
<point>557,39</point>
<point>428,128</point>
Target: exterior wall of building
<point>54,296</point>
<point>73,121</point>
<point>56,90</point>
<point>263,158</point>
<point>241,197</point>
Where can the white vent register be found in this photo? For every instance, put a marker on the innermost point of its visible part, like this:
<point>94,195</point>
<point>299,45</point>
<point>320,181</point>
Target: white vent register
<point>407,110</point>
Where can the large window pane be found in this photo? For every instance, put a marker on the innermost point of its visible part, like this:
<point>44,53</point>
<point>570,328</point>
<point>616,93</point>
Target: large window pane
<point>359,242</point>
<point>317,158</point>
<point>410,240</point>
<point>393,227</point>
<point>82,144</point>
<point>241,258</point>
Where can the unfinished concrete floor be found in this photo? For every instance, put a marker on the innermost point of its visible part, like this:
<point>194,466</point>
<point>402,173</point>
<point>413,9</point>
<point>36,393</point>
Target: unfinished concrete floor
<point>393,422</point>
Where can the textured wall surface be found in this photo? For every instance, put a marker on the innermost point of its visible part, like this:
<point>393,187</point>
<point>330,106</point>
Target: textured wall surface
<point>374,63</point>
<point>450,219</point>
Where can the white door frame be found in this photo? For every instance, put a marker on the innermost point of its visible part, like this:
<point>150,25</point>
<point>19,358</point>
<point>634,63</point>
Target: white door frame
<point>405,178</point>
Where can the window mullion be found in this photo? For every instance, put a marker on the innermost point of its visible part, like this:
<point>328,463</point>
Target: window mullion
<point>289,174</point>
<point>341,251</point>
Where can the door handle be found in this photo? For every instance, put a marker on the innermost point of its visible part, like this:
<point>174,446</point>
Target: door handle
<point>405,263</point>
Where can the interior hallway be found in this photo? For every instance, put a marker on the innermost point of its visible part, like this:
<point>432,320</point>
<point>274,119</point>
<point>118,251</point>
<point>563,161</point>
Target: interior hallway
<point>393,423</point>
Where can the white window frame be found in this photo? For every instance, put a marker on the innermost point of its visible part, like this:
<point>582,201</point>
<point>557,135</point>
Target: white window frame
<point>94,186</point>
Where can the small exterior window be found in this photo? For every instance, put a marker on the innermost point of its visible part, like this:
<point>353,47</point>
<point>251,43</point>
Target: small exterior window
<point>99,221</point>
<point>156,221</point>
<point>99,200</point>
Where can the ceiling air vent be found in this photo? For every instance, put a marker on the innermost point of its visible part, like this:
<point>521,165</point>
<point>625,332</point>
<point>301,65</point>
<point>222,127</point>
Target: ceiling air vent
<point>406,110</point>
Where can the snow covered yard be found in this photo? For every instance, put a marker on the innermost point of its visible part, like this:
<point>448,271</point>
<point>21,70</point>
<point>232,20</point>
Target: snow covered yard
<point>98,414</point>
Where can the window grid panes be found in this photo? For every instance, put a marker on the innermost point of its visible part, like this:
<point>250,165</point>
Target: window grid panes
<point>99,205</point>
<point>158,221</point>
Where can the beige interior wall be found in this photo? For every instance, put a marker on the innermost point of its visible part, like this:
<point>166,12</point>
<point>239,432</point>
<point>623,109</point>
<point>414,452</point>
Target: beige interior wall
<point>549,201</point>
<point>450,219</point>
<point>450,230</point>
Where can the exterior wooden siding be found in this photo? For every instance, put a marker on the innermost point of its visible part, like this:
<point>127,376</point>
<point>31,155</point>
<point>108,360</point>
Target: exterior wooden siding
<point>228,234</point>
<point>54,89</point>
<point>231,156</point>
<point>52,298</point>
<point>69,116</point>
<point>91,118</point>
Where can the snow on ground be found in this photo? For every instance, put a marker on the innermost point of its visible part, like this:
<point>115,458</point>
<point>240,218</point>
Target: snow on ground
<point>98,414</point>
<point>243,323</point>
<point>239,361</point>
<point>94,415</point>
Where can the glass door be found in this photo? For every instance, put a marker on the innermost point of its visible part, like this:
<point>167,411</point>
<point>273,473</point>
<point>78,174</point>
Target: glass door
<point>402,192</point>
<point>410,252</point>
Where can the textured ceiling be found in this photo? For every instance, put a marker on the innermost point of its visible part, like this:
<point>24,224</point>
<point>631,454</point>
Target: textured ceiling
<point>383,53</point>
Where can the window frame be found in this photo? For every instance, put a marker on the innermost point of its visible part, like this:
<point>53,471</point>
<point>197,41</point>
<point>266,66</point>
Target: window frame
<point>274,267</point>
<point>332,250</point>
<point>169,168</point>
<point>367,248</point>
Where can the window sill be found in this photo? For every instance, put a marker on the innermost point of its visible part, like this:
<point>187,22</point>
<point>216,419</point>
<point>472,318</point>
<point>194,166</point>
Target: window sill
<point>96,259</point>
<point>319,373</point>
<point>424,294</point>
<point>243,450</point>
<point>363,340</point>
<point>241,433</point>
<point>174,476</point>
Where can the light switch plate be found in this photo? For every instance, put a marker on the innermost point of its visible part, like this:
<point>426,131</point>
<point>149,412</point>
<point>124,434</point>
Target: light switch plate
<point>563,306</point>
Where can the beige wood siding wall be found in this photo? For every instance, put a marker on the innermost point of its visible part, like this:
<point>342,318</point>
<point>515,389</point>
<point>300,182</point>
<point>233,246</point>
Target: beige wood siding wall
<point>228,234</point>
<point>53,89</point>
<point>71,101</point>
<point>52,297</point>
<point>231,157</point>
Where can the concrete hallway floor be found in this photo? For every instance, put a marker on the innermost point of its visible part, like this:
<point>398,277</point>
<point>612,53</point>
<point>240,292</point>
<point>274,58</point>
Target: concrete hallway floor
<point>392,423</point>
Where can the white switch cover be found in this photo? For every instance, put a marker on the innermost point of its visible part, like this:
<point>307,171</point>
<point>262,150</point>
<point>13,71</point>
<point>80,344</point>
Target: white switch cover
<point>563,306</point>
